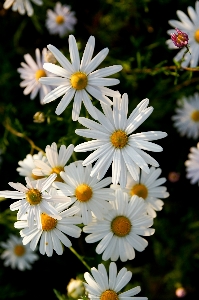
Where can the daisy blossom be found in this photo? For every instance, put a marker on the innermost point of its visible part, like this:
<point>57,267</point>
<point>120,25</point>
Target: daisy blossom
<point>78,79</point>
<point>148,188</point>
<point>34,199</point>
<point>192,165</point>
<point>86,192</point>
<point>121,228</point>
<point>186,119</point>
<point>16,254</point>
<point>27,165</point>
<point>61,20</point>
<point>189,25</point>
<point>100,286</point>
<point>55,162</point>
<point>51,233</point>
<point>115,142</point>
<point>31,71</point>
<point>22,6</point>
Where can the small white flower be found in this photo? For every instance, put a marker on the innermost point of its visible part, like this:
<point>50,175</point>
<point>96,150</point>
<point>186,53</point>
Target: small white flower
<point>27,165</point>
<point>22,6</point>
<point>51,234</point>
<point>190,25</point>
<point>186,119</point>
<point>148,188</point>
<point>100,286</point>
<point>77,80</point>
<point>61,20</point>
<point>16,254</point>
<point>55,162</point>
<point>31,71</point>
<point>86,192</point>
<point>121,228</point>
<point>192,165</point>
<point>75,288</point>
<point>114,142</point>
<point>34,199</point>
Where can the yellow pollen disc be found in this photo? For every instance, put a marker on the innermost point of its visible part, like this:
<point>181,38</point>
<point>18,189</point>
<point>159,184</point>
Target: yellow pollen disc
<point>33,196</point>
<point>79,80</point>
<point>19,250</point>
<point>196,36</point>
<point>140,190</point>
<point>59,19</point>
<point>119,139</point>
<point>121,226</point>
<point>195,115</point>
<point>83,192</point>
<point>35,177</point>
<point>57,170</point>
<point>40,73</point>
<point>109,295</point>
<point>47,222</point>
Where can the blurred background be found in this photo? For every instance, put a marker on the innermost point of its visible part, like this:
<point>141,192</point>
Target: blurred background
<point>135,33</point>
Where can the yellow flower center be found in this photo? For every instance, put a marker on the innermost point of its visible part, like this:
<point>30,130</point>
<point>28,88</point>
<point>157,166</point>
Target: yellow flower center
<point>140,190</point>
<point>196,36</point>
<point>195,115</point>
<point>19,250</point>
<point>40,73</point>
<point>79,80</point>
<point>121,226</point>
<point>34,196</point>
<point>119,139</point>
<point>47,222</point>
<point>57,170</point>
<point>109,295</point>
<point>83,192</point>
<point>59,20</point>
<point>35,177</point>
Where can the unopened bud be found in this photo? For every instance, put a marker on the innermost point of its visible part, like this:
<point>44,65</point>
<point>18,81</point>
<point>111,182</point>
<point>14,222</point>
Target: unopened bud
<point>38,117</point>
<point>173,176</point>
<point>180,39</point>
<point>180,292</point>
<point>50,58</point>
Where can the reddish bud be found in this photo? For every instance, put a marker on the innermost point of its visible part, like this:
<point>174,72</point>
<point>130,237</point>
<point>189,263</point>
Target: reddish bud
<point>180,39</point>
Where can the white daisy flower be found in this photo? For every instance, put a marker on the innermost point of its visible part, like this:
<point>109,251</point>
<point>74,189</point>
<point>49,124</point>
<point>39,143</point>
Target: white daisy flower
<point>55,162</point>
<point>191,27</point>
<point>121,228</point>
<point>22,6</point>
<point>31,71</point>
<point>100,286</point>
<point>61,20</point>
<point>192,165</point>
<point>115,142</point>
<point>86,192</point>
<point>51,233</point>
<point>16,254</point>
<point>34,199</point>
<point>148,188</point>
<point>186,119</point>
<point>78,79</point>
<point>27,165</point>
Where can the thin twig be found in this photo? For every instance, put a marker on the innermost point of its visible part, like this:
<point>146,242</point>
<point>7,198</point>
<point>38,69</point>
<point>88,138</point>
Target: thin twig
<point>7,125</point>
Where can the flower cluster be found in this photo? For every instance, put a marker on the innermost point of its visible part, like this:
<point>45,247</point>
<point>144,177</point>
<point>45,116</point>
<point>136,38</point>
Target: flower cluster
<point>61,197</point>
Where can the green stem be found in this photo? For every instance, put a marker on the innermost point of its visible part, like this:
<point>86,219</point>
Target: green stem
<point>80,258</point>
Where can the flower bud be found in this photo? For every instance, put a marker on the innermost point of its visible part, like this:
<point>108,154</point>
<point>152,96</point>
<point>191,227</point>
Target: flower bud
<point>38,117</point>
<point>180,39</point>
<point>180,292</point>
